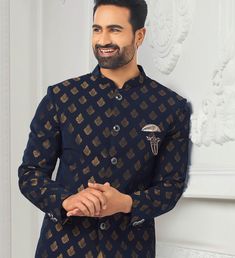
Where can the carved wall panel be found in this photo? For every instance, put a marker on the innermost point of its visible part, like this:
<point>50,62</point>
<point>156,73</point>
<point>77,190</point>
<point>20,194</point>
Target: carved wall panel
<point>215,121</point>
<point>169,23</point>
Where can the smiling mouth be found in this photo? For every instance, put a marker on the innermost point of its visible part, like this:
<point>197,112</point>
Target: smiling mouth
<point>106,52</point>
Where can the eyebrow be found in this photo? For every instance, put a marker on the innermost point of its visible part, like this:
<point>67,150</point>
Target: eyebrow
<point>109,26</point>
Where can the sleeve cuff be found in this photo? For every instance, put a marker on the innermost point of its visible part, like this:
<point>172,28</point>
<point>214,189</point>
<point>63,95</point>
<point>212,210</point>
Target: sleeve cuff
<point>135,217</point>
<point>58,214</point>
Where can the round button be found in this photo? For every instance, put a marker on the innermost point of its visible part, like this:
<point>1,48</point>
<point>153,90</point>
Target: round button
<point>102,226</point>
<point>118,96</point>
<point>116,128</point>
<point>114,160</point>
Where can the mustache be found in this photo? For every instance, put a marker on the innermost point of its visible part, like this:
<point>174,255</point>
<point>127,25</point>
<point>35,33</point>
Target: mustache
<point>97,46</point>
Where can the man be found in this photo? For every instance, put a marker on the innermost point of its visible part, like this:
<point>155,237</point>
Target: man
<point>116,127</point>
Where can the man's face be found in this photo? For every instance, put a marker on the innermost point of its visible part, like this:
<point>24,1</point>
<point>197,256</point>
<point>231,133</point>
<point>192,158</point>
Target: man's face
<point>113,40</point>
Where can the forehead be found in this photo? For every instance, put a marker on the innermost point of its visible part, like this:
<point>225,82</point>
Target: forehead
<point>111,14</point>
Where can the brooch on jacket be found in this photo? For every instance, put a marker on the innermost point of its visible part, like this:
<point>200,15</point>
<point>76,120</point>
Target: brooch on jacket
<point>151,129</point>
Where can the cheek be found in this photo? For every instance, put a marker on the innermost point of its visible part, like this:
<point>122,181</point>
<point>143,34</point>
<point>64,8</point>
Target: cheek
<point>94,40</point>
<point>125,41</point>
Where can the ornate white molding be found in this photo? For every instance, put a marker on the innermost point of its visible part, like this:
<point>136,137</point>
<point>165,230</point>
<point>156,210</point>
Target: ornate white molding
<point>169,23</point>
<point>172,251</point>
<point>5,182</point>
<point>215,121</point>
<point>211,183</point>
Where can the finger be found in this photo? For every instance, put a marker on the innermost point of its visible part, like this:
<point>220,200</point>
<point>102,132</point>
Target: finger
<point>89,204</point>
<point>95,200</point>
<point>83,208</point>
<point>75,212</point>
<point>102,198</point>
<point>71,213</point>
<point>100,215</point>
<point>70,203</point>
<point>97,186</point>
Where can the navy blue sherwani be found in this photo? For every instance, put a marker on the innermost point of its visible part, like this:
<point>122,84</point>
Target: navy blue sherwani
<point>135,137</point>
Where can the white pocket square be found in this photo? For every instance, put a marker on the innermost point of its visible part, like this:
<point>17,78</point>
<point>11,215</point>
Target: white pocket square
<point>151,128</point>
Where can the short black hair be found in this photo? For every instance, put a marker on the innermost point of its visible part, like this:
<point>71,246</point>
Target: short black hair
<point>138,10</point>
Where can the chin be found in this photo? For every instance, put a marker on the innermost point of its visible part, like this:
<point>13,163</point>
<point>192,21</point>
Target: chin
<point>110,67</point>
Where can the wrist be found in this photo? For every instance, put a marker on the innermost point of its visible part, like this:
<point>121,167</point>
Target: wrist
<point>127,203</point>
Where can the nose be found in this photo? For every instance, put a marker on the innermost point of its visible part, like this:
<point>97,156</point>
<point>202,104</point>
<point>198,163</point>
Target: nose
<point>104,39</point>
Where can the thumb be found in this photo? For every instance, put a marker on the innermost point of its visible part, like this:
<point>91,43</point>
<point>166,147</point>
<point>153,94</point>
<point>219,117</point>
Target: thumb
<point>107,183</point>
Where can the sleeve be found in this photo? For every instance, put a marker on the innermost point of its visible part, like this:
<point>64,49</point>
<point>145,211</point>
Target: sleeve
<point>39,160</point>
<point>169,172</point>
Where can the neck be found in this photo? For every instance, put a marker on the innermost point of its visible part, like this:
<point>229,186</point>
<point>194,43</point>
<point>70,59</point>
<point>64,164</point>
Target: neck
<point>120,75</point>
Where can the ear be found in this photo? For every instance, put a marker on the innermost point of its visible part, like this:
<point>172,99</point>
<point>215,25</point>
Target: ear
<point>140,35</point>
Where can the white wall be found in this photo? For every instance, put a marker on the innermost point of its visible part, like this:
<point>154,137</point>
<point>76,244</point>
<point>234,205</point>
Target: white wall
<point>5,201</point>
<point>24,85</point>
<point>65,40</point>
<point>47,44</point>
<point>189,48</point>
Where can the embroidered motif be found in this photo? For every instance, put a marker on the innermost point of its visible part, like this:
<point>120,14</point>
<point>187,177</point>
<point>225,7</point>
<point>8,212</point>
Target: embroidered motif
<point>152,128</point>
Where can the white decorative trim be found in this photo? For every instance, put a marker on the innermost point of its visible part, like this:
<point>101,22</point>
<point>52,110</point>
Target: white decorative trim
<point>215,121</point>
<point>172,251</point>
<point>5,182</point>
<point>211,183</point>
<point>168,28</point>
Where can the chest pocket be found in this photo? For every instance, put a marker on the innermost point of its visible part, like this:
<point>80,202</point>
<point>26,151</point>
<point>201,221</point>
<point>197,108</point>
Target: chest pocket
<point>151,135</point>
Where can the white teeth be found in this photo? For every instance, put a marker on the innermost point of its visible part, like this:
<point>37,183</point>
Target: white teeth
<point>107,50</point>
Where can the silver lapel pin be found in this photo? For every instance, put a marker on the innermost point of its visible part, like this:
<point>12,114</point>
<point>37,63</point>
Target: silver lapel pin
<point>152,128</point>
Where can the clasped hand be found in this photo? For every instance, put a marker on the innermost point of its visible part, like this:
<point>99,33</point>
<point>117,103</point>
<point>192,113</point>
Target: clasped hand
<point>97,200</point>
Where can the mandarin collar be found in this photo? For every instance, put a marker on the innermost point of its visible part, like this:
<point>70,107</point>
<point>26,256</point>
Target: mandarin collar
<point>133,82</point>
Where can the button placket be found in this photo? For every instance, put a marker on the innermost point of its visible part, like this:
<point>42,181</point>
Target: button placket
<point>116,127</point>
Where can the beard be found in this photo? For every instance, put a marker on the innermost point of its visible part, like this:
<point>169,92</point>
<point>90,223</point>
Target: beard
<point>120,57</point>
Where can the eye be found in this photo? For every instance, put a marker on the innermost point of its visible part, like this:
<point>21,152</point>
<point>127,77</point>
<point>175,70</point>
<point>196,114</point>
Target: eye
<point>96,29</point>
<point>115,30</point>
